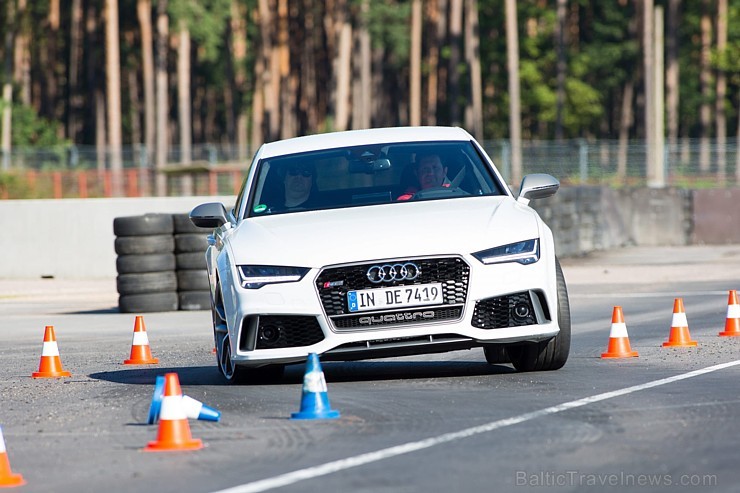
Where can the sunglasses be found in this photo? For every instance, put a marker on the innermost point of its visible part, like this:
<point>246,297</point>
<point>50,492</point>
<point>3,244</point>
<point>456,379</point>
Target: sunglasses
<point>304,172</point>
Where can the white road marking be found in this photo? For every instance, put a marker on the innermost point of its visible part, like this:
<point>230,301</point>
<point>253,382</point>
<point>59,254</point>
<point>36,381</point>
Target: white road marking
<point>358,460</point>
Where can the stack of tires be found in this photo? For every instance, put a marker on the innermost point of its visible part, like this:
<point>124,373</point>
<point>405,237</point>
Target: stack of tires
<point>146,263</point>
<point>191,243</point>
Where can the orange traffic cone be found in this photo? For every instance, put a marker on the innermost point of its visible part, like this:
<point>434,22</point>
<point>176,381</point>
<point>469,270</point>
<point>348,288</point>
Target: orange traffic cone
<point>619,341</point>
<point>7,477</point>
<point>174,430</point>
<point>141,354</point>
<point>51,364</point>
<point>679,335</point>
<point>732,324</point>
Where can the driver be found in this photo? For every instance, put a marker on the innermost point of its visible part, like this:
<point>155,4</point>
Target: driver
<point>430,173</point>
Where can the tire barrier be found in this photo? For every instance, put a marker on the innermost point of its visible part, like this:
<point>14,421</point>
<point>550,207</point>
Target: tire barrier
<point>191,242</point>
<point>146,263</point>
<point>161,263</point>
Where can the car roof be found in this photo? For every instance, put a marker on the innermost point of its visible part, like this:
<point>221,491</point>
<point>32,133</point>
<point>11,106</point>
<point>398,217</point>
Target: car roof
<point>362,137</point>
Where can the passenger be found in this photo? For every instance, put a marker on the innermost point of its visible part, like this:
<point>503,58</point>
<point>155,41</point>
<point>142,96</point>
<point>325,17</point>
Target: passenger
<point>429,172</point>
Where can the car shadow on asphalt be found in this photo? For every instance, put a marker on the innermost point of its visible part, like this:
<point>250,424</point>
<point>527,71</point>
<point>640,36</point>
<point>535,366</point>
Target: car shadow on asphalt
<point>355,371</point>
<point>360,371</point>
<point>187,375</point>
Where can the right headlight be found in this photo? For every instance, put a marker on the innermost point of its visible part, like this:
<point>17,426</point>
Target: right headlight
<point>524,252</point>
<point>256,276</point>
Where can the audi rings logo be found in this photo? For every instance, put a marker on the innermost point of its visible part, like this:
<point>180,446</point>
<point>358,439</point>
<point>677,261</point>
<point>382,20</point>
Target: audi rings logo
<point>393,272</point>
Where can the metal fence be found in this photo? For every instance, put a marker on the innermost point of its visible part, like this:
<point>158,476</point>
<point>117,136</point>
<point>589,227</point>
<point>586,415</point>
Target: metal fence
<point>85,171</point>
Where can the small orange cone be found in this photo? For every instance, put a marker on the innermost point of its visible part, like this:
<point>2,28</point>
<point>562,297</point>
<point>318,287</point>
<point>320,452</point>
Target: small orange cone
<point>174,429</point>
<point>7,477</point>
<point>679,335</point>
<point>732,324</point>
<point>619,341</point>
<point>141,354</point>
<point>51,364</point>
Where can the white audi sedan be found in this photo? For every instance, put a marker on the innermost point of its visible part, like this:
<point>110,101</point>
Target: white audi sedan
<point>380,243</point>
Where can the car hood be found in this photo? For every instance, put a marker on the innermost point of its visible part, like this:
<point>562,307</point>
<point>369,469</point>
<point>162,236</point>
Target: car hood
<point>319,238</point>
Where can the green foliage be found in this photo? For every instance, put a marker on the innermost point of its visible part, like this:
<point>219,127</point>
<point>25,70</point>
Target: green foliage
<point>29,129</point>
<point>206,20</point>
<point>388,24</point>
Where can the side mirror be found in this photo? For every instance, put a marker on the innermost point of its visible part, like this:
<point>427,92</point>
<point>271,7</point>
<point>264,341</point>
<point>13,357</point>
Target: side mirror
<point>537,186</point>
<point>209,215</point>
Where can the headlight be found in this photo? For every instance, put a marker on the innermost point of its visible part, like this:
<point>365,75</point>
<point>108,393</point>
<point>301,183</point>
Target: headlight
<point>256,276</point>
<point>524,252</point>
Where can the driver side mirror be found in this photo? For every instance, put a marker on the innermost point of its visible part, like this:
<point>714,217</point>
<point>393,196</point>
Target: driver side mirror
<point>537,186</point>
<point>209,215</point>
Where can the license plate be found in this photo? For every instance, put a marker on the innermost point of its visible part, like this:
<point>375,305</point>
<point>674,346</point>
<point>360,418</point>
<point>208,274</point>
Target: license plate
<point>394,297</point>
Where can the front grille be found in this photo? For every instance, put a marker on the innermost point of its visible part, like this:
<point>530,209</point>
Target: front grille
<point>281,331</point>
<point>452,272</point>
<point>498,313</point>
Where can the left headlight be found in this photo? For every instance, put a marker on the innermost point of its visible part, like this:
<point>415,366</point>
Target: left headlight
<point>256,276</point>
<point>525,252</point>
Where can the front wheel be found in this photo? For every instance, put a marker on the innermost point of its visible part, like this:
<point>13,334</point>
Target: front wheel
<point>551,354</point>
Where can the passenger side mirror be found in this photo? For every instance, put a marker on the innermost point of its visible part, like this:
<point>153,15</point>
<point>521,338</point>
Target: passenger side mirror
<point>209,215</point>
<point>537,186</point>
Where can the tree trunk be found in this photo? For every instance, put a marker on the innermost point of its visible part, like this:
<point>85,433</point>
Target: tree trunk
<point>7,107</point>
<point>361,96</point>
<point>163,31</point>
<point>144,14</point>
<point>433,41</point>
<point>184,108</point>
<point>238,40</point>
<point>562,66</point>
<point>625,122</point>
<point>75,58</point>
<point>415,62</point>
<point>288,84</point>
<point>113,95</point>
<point>456,13</point>
<point>22,53</point>
<point>441,89</point>
<point>472,55</point>
<point>343,67</point>
<point>270,73</point>
<point>648,59</point>
<point>705,78</point>
<point>672,72</point>
<point>720,116</point>
<point>515,119</point>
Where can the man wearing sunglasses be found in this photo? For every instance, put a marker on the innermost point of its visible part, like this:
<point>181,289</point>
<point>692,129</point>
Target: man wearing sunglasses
<point>298,183</point>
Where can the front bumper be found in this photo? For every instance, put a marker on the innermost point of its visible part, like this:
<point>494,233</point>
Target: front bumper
<point>283,323</point>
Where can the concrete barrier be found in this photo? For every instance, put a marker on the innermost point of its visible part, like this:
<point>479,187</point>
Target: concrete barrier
<point>73,238</point>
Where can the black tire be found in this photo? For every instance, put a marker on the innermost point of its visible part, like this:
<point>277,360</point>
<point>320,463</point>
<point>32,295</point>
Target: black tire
<point>192,280</point>
<point>147,282</point>
<point>155,262</point>
<point>191,243</point>
<point>496,354</point>
<point>194,300</point>
<point>183,224</point>
<point>144,245</point>
<point>148,224</point>
<point>551,354</point>
<point>149,302</point>
<point>190,261</point>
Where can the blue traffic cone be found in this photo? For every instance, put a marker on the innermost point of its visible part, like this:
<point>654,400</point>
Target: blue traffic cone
<point>314,400</point>
<point>194,409</point>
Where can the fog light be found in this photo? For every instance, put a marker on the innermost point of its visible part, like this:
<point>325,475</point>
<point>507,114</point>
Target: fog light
<point>521,312</point>
<point>270,334</point>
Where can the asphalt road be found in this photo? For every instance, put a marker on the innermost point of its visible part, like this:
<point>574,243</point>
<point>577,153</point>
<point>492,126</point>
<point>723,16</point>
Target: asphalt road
<point>663,421</point>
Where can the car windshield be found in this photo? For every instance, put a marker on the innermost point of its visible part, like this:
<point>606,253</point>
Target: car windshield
<point>368,175</point>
